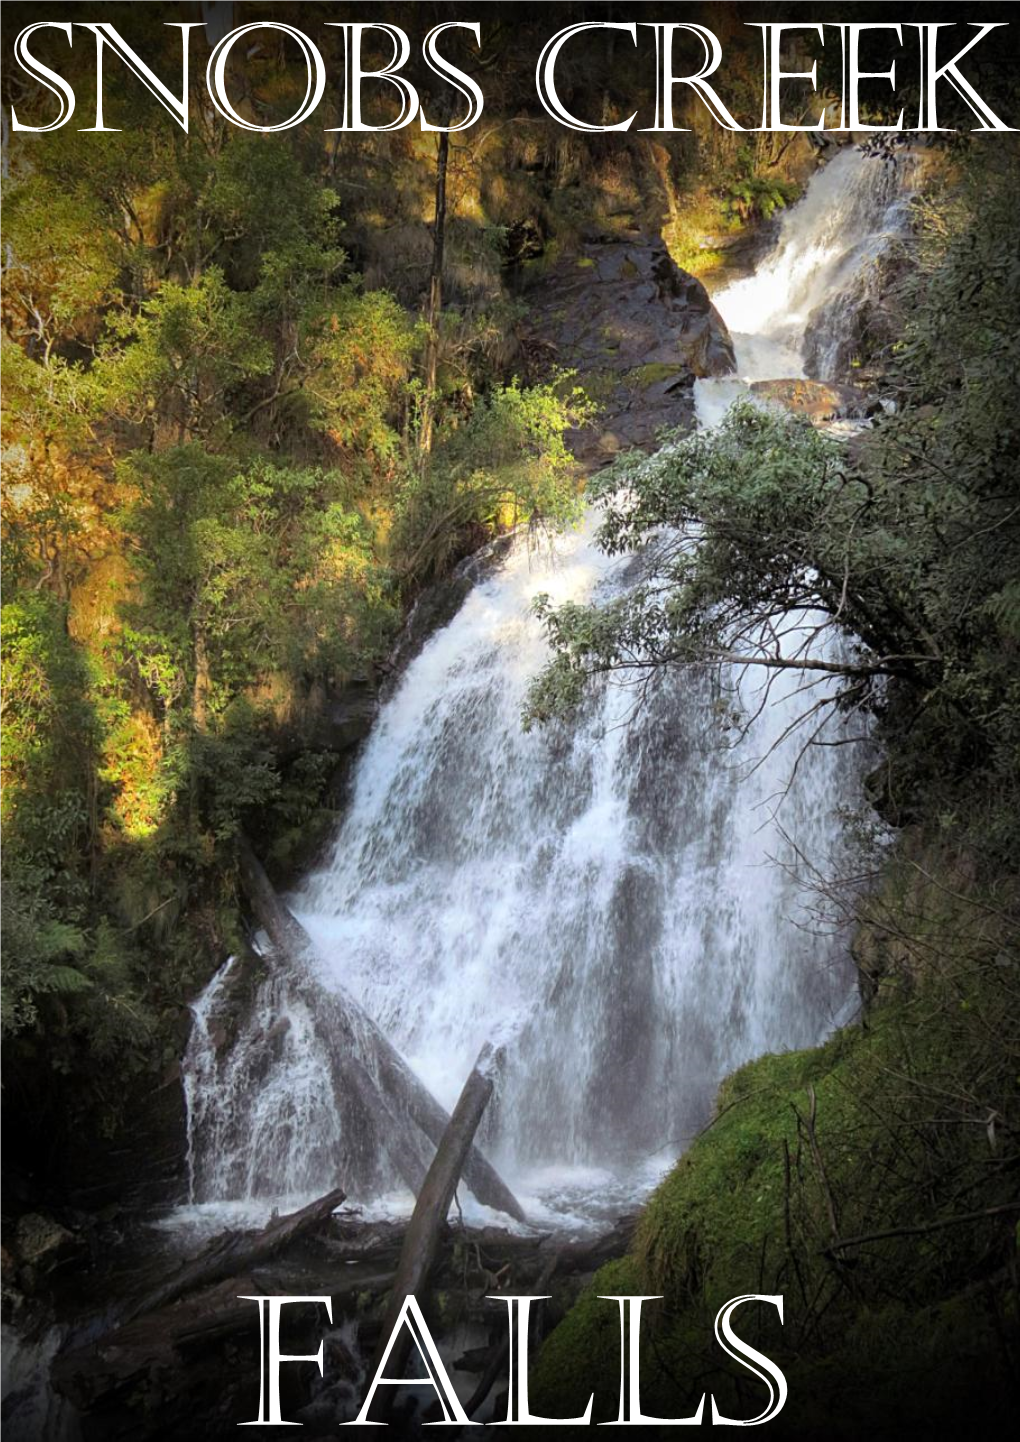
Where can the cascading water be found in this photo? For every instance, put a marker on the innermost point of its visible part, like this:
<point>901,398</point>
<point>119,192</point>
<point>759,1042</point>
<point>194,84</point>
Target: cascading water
<point>793,316</point>
<point>600,897</point>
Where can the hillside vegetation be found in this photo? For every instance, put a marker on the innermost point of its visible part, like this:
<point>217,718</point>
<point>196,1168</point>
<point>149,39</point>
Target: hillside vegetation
<point>239,438</point>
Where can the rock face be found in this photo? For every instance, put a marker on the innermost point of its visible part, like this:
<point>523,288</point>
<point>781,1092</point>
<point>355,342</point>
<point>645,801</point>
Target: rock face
<point>637,329</point>
<point>438,604</point>
<point>40,1244</point>
<point>858,324</point>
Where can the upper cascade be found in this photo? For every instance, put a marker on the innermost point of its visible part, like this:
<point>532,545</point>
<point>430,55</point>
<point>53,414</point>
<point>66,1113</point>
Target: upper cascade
<point>798,314</point>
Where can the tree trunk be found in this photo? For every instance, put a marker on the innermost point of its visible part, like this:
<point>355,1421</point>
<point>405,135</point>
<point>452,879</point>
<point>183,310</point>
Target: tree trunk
<point>291,942</point>
<point>398,1141</point>
<point>203,682</point>
<point>435,304</point>
<point>421,1241</point>
<point>382,1062</point>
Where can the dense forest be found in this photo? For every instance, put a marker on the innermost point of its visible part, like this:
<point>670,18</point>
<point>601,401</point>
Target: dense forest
<point>241,435</point>
<point>264,393</point>
<point>237,446</point>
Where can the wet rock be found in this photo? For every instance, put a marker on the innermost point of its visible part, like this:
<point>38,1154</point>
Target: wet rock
<point>435,607</point>
<point>272,1039</point>
<point>638,331</point>
<point>706,343</point>
<point>41,1240</point>
<point>439,603</point>
<point>11,1297</point>
<point>350,712</point>
<point>858,326</point>
<point>315,715</point>
<point>818,401</point>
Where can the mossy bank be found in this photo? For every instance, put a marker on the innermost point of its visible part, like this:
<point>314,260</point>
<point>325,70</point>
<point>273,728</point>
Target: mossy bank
<point>872,1182</point>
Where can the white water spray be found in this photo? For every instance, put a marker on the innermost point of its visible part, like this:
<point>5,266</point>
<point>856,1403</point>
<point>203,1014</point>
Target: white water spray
<point>601,897</point>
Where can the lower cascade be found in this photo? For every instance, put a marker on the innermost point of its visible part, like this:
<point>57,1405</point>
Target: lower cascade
<point>613,901</point>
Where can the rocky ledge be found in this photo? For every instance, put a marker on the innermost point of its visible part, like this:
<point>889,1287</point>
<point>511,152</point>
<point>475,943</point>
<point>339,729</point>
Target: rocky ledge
<point>638,331</point>
<point>819,401</point>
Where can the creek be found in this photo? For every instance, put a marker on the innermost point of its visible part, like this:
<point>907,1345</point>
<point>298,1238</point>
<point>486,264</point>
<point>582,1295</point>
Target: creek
<point>613,900</point>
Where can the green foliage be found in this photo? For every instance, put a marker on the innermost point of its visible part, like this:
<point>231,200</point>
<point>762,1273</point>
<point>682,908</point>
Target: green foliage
<point>183,355</point>
<point>50,519</point>
<point>48,750</point>
<point>755,193</point>
<point>359,347</point>
<point>40,952</point>
<point>50,734</point>
<point>301,223</point>
<point>62,267</point>
<point>742,508</point>
<point>507,463</point>
<point>244,569</point>
<point>758,197</point>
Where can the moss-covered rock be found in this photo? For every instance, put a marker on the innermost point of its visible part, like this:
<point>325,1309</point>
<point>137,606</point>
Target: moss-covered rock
<point>863,1181</point>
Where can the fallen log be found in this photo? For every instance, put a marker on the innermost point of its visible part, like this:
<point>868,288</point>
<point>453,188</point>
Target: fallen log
<point>277,921</point>
<point>160,1358</point>
<point>421,1241</point>
<point>480,1175</point>
<point>588,1255</point>
<point>397,1142</point>
<point>233,1253</point>
<point>97,1373</point>
<point>502,1356</point>
<point>381,1058</point>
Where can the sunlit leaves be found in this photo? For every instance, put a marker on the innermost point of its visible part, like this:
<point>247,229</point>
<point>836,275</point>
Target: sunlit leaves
<point>508,462</point>
<point>264,561</point>
<point>61,265</point>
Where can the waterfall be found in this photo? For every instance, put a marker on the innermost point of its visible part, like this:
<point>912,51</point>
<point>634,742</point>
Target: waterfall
<point>792,317</point>
<point>606,897</point>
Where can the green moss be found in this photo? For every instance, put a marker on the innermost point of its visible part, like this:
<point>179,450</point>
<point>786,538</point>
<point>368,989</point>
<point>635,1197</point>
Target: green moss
<point>583,1354</point>
<point>539,265</point>
<point>651,374</point>
<point>689,232</point>
<point>598,385</point>
<point>856,1137</point>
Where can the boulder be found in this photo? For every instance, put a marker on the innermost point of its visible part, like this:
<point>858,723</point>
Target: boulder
<point>39,1240</point>
<point>40,1244</point>
<point>704,339</point>
<point>816,400</point>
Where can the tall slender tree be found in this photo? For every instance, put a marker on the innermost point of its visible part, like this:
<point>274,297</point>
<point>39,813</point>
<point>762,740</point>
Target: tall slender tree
<point>435,304</point>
